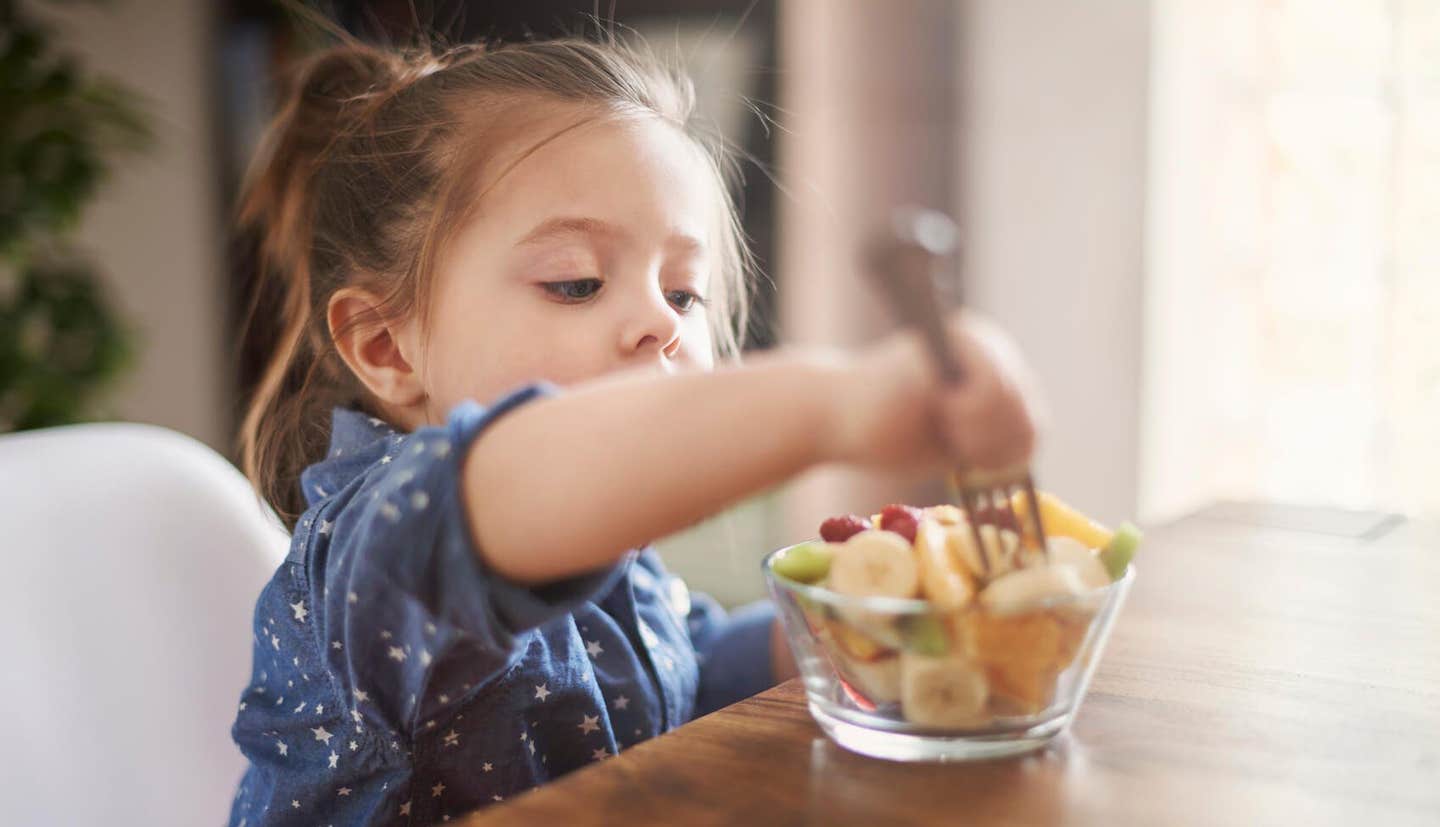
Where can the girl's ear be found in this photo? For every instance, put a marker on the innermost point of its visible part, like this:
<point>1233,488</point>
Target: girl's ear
<point>380,352</point>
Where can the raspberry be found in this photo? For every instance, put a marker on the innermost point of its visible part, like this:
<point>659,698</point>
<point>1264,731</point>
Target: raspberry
<point>901,519</point>
<point>840,529</point>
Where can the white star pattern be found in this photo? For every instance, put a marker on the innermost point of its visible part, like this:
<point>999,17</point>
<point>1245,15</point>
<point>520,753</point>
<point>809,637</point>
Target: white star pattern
<point>280,700</point>
<point>599,755</point>
<point>444,699</point>
<point>319,709</point>
<point>405,808</point>
<point>386,460</point>
<point>622,702</point>
<point>430,628</point>
<point>355,713</point>
<point>487,767</point>
<point>497,798</point>
<point>295,803</point>
<point>397,654</point>
<point>589,724</point>
<point>284,749</point>
<point>523,736</point>
<point>385,634</point>
<point>275,641</point>
<point>324,527</point>
<point>452,738</point>
<point>425,657</point>
<point>352,597</point>
<point>300,708</point>
<point>594,648</point>
<point>542,692</point>
<point>436,790</point>
<point>361,696</point>
<point>531,744</point>
<point>333,758</point>
<point>354,746</point>
<point>343,791</point>
<point>321,734</point>
<point>335,644</point>
<point>299,610</point>
<point>419,500</point>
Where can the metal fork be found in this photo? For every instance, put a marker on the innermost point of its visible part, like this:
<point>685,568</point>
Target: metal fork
<point>904,265</point>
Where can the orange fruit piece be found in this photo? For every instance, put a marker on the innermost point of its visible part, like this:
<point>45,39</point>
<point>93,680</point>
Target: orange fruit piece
<point>1021,655</point>
<point>1061,519</point>
<point>855,644</point>
<point>1072,626</point>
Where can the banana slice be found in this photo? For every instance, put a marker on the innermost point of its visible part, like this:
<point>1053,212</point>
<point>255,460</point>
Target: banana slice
<point>942,580</point>
<point>874,564</point>
<point>941,692</point>
<point>878,680</point>
<point>1001,547</point>
<point>1024,589</point>
<point>1072,552</point>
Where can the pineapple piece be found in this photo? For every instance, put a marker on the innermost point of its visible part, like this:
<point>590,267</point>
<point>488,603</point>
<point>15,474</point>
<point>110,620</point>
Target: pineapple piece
<point>1061,519</point>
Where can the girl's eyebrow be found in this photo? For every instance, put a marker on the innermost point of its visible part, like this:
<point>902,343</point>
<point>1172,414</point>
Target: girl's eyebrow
<point>568,226</point>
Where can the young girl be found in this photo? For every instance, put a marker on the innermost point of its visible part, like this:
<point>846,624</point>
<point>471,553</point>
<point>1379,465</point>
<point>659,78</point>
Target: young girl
<point>507,277</point>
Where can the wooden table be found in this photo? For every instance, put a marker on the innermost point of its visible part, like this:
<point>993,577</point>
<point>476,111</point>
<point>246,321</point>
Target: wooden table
<point>1273,666</point>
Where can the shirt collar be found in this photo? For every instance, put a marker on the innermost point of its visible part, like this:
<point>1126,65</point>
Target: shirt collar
<point>357,441</point>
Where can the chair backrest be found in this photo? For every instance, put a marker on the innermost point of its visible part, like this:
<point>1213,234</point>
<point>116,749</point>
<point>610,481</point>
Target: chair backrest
<point>130,560</point>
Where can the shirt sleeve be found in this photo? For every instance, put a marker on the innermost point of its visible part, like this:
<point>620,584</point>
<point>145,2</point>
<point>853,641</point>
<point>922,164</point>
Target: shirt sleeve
<point>405,589</point>
<point>733,649</point>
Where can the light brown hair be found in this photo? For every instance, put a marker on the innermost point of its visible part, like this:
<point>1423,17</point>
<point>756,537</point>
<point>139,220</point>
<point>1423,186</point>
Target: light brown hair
<point>368,167</point>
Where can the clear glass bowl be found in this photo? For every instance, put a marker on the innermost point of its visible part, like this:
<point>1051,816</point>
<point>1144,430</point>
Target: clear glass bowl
<point>892,678</point>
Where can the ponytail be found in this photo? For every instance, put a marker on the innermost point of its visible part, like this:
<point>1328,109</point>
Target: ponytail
<point>283,429</point>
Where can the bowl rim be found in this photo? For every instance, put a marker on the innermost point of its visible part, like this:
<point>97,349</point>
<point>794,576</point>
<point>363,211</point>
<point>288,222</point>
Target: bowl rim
<point>920,606</point>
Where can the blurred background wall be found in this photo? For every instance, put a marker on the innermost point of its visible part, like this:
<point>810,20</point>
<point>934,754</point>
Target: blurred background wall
<point>1206,223</point>
<point>155,228</point>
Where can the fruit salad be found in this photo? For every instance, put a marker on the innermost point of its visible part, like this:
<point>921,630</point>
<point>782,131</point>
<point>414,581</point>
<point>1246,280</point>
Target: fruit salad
<point>981,632</point>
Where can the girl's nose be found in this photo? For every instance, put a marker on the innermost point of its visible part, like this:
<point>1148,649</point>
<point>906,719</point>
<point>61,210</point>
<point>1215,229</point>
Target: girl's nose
<point>653,327</point>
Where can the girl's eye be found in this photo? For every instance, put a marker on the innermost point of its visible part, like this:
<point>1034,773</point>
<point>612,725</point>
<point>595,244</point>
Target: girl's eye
<point>573,291</point>
<point>684,300</point>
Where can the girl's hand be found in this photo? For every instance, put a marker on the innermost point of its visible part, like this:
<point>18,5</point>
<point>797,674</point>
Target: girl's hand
<point>893,411</point>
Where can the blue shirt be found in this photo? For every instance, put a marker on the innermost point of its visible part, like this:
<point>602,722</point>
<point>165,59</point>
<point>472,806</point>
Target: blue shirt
<point>396,680</point>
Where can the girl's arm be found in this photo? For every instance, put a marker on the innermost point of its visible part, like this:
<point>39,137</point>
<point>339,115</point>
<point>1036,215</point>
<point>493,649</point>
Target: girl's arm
<point>568,483</point>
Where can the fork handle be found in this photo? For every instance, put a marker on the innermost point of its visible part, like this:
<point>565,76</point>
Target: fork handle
<point>904,269</point>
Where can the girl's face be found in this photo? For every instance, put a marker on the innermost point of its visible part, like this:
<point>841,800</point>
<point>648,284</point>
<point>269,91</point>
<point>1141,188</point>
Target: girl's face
<point>592,254</point>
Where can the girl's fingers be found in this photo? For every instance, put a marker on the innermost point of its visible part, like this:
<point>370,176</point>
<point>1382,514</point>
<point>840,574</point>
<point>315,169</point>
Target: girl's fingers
<point>989,418</point>
<point>987,430</point>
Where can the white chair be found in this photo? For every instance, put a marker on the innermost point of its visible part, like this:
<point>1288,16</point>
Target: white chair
<point>130,560</point>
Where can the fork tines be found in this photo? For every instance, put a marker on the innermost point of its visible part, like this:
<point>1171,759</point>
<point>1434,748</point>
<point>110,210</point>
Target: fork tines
<point>976,492</point>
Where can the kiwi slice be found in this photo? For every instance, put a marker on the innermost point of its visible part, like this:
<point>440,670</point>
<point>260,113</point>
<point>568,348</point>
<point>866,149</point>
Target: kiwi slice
<point>805,563</point>
<point>924,635</point>
<point>1121,550</point>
